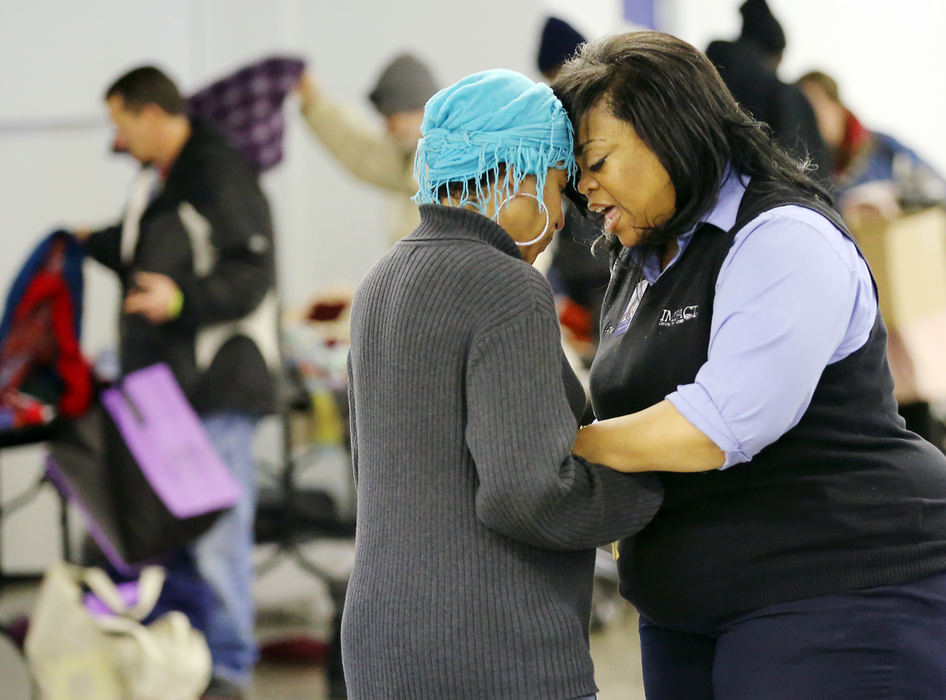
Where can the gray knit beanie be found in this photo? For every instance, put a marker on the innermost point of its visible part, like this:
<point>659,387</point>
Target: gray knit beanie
<point>405,85</point>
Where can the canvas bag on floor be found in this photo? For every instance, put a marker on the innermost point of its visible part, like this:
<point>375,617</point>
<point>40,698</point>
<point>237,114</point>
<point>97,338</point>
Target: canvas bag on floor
<point>75,655</point>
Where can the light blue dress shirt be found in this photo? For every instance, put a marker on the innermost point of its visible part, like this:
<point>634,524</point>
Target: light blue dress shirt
<point>793,296</point>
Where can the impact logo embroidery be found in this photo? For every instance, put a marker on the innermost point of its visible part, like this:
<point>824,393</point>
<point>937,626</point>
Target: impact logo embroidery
<point>678,317</point>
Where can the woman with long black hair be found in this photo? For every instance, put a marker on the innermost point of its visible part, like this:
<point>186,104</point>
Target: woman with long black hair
<point>800,550</point>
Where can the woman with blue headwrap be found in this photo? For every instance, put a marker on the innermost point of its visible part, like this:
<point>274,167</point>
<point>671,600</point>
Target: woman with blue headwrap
<point>476,526</point>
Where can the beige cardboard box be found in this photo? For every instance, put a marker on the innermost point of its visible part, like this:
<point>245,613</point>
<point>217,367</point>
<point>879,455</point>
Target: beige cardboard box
<point>908,259</point>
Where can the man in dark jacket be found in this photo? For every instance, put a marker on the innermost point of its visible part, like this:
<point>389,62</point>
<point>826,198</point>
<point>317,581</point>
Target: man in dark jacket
<point>748,67</point>
<point>195,258</point>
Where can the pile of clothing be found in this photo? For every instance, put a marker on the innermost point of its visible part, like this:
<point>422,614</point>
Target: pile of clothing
<point>42,372</point>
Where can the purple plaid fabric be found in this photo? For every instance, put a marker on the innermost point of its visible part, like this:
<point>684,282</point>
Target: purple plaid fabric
<point>247,107</point>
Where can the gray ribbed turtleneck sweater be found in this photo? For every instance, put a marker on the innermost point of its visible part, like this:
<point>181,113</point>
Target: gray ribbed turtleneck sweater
<point>476,527</point>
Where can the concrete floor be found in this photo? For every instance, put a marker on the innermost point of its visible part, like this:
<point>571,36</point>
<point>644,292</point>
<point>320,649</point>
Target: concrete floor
<point>615,648</point>
<point>616,652</point>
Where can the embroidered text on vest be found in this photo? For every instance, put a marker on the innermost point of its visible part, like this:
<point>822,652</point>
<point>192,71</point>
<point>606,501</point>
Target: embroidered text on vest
<point>675,318</point>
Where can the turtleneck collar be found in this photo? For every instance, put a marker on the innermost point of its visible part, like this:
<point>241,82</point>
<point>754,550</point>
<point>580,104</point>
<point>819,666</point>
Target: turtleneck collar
<point>438,222</point>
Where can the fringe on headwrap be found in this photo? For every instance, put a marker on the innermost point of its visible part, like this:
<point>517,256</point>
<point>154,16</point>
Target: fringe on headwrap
<point>487,122</point>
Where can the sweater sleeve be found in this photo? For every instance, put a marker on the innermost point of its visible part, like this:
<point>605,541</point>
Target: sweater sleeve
<point>361,147</point>
<point>792,296</point>
<point>520,430</point>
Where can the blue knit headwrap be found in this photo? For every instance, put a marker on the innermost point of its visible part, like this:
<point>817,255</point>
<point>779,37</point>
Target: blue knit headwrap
<point>497,117</point>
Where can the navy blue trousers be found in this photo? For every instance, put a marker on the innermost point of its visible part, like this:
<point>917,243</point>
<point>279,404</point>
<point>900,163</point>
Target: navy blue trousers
<point>873,643</point>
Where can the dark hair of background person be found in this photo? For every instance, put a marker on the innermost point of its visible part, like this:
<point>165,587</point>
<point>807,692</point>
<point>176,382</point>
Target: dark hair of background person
<point>673,98</point>
<point>147,85</point>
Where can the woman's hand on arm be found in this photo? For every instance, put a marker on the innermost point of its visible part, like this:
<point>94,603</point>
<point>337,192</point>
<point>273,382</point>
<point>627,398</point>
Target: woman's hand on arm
<point>657,438</point>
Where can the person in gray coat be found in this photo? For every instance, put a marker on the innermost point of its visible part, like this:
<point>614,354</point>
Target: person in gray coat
<point>476,525</point>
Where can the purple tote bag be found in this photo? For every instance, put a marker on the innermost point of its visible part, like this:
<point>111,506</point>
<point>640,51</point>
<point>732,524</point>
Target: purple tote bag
<point>143,470</point>
<point>167,440</point>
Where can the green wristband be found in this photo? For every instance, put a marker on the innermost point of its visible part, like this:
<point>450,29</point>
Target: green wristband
<point>177,303</point>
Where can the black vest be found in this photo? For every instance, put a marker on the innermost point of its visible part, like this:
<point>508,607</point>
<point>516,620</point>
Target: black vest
<point>846,499</point>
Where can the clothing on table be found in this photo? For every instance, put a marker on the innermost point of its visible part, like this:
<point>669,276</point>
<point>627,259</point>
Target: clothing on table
<point>883,642</point>
<point>41,363</point>
<point>246,107</point>
<point>69,268</point>
<point>207,226</point>
<point>474,549</point>
<point>844,497</point>
<point>867,156</point>
<point>369,154</point>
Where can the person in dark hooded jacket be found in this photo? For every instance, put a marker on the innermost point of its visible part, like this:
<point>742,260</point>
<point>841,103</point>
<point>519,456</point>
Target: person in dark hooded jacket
<point>749,66</point>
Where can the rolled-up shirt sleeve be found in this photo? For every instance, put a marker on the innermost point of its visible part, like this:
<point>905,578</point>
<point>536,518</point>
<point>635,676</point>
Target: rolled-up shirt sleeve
<point>792,296</point>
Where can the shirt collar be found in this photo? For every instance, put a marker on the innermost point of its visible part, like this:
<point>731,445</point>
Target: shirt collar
<point>722,215</point>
